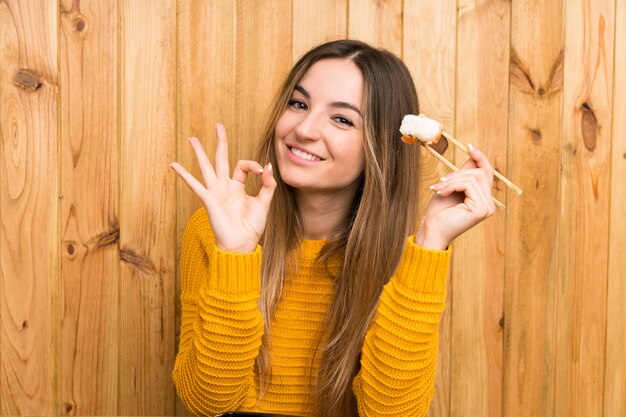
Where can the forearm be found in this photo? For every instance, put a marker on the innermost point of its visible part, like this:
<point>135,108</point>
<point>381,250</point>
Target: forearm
<point>399,352</point>
<point>221,327</point>
<point>215,367</point>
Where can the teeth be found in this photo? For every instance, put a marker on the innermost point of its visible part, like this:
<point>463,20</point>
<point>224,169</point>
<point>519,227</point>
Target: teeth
<point>304,155</point>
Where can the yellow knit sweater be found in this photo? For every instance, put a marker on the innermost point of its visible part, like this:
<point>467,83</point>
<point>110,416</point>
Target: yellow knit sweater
<point>221,331</point>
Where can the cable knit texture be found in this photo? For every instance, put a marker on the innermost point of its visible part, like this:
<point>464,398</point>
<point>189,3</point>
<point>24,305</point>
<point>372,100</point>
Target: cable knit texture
<point>222,327</point>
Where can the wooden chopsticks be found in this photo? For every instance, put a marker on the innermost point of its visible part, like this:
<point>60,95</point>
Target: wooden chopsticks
<point>504,179</point>
<point>453,167</point>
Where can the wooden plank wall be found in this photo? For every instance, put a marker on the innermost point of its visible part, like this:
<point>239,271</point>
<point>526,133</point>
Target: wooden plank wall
<point>97,97</point>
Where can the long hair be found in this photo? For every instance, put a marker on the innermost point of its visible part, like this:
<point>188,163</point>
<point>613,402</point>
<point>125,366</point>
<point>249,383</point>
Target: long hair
<point>375,232</point>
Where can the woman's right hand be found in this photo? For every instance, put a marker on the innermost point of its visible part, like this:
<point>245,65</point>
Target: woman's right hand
<point>237,219</point>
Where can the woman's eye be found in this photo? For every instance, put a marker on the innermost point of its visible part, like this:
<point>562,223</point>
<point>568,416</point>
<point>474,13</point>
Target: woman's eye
<point>343,120</point>
<point>297,104</point>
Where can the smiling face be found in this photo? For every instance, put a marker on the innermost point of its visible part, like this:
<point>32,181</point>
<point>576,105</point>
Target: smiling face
<point>319,138</point>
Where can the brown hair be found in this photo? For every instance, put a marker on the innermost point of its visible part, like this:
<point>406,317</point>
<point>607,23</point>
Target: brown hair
<point>374,235</point>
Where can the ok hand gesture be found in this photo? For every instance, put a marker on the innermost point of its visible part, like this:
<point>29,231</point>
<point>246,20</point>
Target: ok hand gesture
<point>237,219</point>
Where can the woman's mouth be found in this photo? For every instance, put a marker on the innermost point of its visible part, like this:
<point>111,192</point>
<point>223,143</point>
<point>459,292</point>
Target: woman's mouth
<point>304,155</point>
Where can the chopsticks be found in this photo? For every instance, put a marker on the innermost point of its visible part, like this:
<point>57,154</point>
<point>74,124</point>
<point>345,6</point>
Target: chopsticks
<point>453,167</point>
<point>504,179</point>
<point>422,129</point>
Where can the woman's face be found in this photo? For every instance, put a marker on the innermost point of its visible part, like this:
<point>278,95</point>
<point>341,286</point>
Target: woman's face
<point>319,137</point>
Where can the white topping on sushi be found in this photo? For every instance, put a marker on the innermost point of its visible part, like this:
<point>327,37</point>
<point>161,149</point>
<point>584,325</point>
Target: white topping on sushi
<point>421,128</point>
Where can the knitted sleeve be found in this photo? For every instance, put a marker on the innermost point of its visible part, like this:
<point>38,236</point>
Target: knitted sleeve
<point>221,326</point>
<point>399,351</point>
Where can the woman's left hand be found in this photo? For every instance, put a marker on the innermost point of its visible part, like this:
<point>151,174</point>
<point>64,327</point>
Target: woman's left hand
<point>462,200</point>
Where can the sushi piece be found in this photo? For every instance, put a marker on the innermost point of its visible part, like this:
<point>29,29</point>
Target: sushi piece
<point>420,128</point>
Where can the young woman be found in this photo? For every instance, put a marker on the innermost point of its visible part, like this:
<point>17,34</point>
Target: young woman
<point>317,296</point>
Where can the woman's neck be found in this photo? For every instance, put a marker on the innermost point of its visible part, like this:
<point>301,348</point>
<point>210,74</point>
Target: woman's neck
<point>322,214</point>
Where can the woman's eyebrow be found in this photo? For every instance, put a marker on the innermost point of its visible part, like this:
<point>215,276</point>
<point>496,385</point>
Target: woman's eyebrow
<point>344,105</point>
<point>301,89</point>
<point>340,104</point>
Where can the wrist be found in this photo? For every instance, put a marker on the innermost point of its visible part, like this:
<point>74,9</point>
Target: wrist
<point>427,238</point>
<point>230,248</point>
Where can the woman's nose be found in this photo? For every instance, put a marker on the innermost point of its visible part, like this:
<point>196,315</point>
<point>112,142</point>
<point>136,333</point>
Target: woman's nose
<point>309,127</point>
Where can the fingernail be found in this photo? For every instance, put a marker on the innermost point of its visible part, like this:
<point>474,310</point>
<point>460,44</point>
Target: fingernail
<point>269,166</point>
<point>470,146</point>
<point>443,179</point>
<point>260,170</point>
<point>432,187</point>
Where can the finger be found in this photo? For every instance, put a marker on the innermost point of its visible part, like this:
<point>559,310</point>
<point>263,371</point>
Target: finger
<point>460,173</point>
<point>477,195</point>
<point>222,169</point>
<point>269,186</point>
<point>481,160</point>
<point>243,168</point>
<point>206,169</point>
<point>195,185</point>
<point>480,174</point>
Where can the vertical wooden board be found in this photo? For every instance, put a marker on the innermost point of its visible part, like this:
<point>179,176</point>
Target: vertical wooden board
<point>206,95</point>
<point>483,33</point>
<point>585,203</point>
<point>536,84</point>
<point>206,88</point>
<point>89,220</point>
<point>315,22</point>
<point>147,207</point>
<point>29,190</point>
<point>430,56</point>
<point>615,368</point>
<point>264,53</point>
<point>377,22</point>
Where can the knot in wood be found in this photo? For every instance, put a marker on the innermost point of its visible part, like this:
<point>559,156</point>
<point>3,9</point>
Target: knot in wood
<point>71,250</point>
<point>79,23</point>
<point>535,134</point>
<point>69,409</point>
<point>440,146</point>
<point>26,80</point>
<point>589,127</point>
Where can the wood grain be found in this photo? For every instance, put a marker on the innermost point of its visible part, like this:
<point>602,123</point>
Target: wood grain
<point>430,56</point>
<point>206,88</point>
<point>377,22</point>
<point>264,57</point>
<point>585,202</point>
<point>536,85</point>
<point>147,207</point>
<point>317,22</point>
<point>483,34</point>
<point>96,99</point>
<point>89,213</point>
<point>431,59</point>
<point>29,208</point>
<point>615,368</point>
<point>206,95</point>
